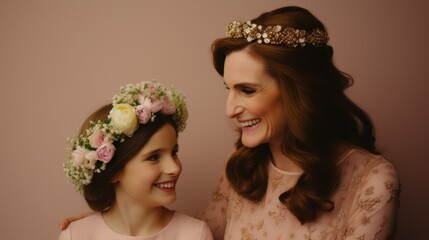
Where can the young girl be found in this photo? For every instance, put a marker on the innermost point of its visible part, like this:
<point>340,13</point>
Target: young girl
<point>125,163</point>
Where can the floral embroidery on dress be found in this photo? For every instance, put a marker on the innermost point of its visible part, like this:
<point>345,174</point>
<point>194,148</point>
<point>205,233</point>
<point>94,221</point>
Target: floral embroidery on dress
<point>236,209</point>
<point>391,188</point>
<point>279,215</point>
<point>275,182</point>
<point>349,232</point>
<point>369,191</point>
<point>365,220</point>
<point>361,237</point>
<point>368,204</point>
<point>309,233</point>
<point>246,235</point>
<point>217,194</point>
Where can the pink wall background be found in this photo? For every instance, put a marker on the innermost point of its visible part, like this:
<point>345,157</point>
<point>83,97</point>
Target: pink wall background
<point>59,60</point>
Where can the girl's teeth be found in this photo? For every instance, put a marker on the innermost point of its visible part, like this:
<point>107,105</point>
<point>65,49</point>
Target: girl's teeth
<point>165,185</point>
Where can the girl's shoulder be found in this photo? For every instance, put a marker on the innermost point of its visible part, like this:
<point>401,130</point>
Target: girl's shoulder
<point>90,220</point>
<point>183,224</point>
<point>183,219</point>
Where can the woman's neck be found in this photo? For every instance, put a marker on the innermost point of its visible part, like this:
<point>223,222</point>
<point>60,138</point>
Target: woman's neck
<point>137,220</point>
<point>281,161</point>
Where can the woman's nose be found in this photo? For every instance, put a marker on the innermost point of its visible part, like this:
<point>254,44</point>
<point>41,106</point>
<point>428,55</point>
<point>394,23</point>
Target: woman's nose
<point>233,106</point>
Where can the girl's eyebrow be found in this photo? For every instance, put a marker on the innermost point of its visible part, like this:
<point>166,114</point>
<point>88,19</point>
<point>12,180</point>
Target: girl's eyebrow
<point>154,151</point>
<point>151,152</point>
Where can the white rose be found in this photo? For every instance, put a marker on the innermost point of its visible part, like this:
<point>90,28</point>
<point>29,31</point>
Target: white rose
<point>124,119</point>
<point>90,159</point>
<point>78,156</point>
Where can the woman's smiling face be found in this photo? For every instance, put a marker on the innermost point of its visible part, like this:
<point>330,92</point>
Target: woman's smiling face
<point>254,100</point>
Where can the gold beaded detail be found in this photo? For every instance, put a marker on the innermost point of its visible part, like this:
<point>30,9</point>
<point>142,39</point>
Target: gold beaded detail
<point>277,35</point>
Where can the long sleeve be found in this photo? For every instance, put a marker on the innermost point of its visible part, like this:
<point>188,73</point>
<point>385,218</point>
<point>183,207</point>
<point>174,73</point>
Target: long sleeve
<point>374,209</point>
<point>215,212</point>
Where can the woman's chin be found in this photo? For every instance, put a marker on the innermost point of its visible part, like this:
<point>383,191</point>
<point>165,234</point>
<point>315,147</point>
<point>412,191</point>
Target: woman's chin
<point>250,143</point>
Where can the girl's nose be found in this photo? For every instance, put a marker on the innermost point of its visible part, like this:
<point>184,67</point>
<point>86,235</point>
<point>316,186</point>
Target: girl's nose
<point>173,167</point>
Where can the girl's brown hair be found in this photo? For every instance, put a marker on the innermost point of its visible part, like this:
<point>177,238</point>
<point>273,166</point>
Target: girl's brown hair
<point>319,115</point>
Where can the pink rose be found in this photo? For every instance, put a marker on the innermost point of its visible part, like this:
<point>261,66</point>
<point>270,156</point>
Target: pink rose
<point>105,152</point>
<point>168,109</point>
<point>154,105</point>
<point>96,138</point>
<point>152,89</point>
<point>143,114</point>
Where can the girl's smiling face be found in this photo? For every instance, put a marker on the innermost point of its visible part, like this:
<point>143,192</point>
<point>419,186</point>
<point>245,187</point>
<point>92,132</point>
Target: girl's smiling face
<point>150,177</point>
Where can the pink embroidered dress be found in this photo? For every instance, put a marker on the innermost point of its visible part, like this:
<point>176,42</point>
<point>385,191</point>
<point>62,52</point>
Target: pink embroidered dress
<point>366,203</point>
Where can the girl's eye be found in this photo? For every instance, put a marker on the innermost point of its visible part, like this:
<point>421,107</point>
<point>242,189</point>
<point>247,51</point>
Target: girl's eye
<point>174,154</point>
<point>154,157</point>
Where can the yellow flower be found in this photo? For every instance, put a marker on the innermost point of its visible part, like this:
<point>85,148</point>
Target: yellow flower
<point>123,118</point>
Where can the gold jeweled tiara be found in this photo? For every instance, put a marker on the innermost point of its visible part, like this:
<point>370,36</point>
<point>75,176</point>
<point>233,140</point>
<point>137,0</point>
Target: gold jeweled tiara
<point>277,35</point>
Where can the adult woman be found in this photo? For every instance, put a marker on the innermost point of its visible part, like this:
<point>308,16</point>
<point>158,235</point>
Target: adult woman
<point>305,164</point>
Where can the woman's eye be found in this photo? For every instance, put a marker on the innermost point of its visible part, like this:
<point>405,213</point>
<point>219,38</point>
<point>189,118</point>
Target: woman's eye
<point>247,90</point>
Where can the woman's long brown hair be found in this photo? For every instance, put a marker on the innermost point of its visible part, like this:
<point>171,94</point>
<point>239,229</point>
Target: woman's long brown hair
<point>318,115</point>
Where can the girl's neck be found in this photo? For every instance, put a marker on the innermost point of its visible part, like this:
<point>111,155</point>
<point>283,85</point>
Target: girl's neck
<point>137,220</point>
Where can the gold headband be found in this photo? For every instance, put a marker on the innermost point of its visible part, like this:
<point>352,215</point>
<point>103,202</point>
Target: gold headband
<point>276,35</point>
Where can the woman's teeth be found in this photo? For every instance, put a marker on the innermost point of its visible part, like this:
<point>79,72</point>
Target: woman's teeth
<point>250,123</point>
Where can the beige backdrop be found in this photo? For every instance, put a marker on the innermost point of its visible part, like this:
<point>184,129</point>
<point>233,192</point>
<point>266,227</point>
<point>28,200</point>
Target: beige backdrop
<point>61,59</point>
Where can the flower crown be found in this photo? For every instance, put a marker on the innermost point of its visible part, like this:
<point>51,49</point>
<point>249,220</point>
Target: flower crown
<point>277,35</point>
<point>133,105</point>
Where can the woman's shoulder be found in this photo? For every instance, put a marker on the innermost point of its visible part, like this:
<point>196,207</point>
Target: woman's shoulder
<point>361,159</point>
<point>363,166</point>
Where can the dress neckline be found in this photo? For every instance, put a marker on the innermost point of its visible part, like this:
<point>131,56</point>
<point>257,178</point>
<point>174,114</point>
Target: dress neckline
<point>283,172</point>
<point>342,158</point>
